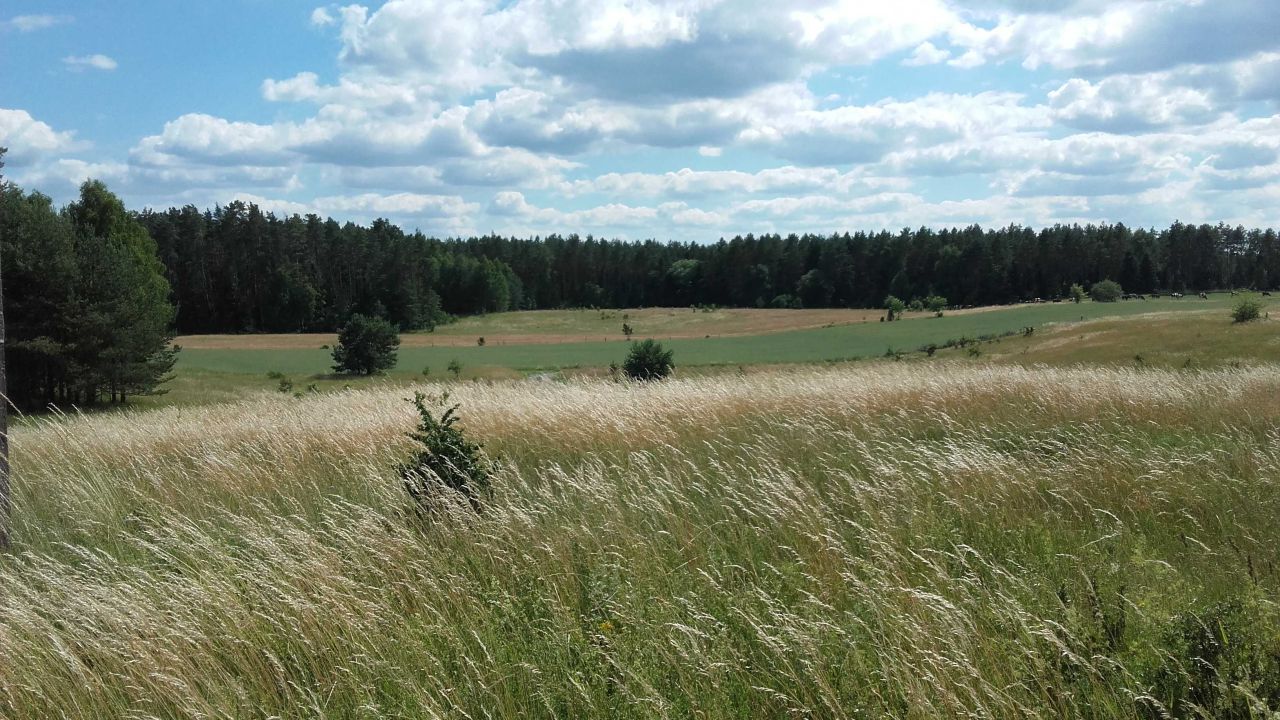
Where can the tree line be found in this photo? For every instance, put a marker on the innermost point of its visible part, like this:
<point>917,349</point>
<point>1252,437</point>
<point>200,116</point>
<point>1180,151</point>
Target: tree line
<point>238,269</point>
<point>95,292</point>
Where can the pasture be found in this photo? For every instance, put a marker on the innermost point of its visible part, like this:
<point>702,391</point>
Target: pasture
<point>213,368</point>
<point>866,540</point>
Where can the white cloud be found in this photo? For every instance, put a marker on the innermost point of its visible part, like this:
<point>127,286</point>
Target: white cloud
<point>926,54</point>
<point>1126,103</point>
<point>28,138</point>
<point>31,23</point>
<point>321,17</point>
<point>85,62</point>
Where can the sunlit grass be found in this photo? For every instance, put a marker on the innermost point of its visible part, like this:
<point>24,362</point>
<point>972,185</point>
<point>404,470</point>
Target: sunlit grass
<point>900,539</point>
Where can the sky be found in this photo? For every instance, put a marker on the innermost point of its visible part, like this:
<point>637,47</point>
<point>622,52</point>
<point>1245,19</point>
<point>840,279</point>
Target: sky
<point>686,120</point>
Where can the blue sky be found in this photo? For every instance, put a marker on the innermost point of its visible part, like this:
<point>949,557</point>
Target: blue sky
<point>687,120</point>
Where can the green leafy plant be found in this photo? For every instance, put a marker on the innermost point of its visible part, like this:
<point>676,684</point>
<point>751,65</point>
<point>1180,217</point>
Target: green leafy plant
<point>1106,291</point>
<point>1246,309</point>
<point>1076,293</point>
<point>366,345</point>
<point>455,367</point>
<point>445,461</point>
<point>648,361</point>
<point>895,307</point>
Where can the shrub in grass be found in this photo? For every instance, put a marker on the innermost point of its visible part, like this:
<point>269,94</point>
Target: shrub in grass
<point>1077,293</point>
<point>648,361</point>
<point>455,367</point>
<point>366,345</point>
<point>1246,309</point>
<point>935,304</point>
<point>895,307</point>
<point>1106,291</point>
<point>445,461</point>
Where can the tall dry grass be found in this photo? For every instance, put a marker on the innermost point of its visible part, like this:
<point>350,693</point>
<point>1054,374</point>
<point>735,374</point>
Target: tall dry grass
<point>873,541</point>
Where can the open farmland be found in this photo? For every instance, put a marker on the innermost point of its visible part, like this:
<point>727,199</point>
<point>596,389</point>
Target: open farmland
<point>882,539</point>
<point>224,367</point>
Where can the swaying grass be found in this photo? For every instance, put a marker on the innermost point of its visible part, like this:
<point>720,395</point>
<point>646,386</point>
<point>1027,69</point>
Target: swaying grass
<point>865,541</point>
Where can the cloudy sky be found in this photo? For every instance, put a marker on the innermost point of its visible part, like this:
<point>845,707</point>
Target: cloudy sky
<point>687,120</point>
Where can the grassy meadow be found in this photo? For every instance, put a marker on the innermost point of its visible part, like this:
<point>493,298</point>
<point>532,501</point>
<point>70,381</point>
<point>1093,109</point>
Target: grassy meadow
<point>918,540</point>
<point>218,368</point>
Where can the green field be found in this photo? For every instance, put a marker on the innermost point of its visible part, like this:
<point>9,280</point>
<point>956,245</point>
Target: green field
<point>841,342</point>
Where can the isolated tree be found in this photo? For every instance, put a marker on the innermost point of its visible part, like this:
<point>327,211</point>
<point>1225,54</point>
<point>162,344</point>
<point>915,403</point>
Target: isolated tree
<point>1077,293</point>
<point>444,458</point>
<point>647,360</point>
<point>627,329</point>
<point>1106,291</point>
<point>366,345</point>
<point>122,318</point>
<point>895,307</point>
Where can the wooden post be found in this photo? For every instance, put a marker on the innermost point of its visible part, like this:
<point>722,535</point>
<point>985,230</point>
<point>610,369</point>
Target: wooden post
<point>5,505</point>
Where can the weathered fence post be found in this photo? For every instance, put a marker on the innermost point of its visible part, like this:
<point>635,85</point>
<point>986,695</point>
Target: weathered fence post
<point>5,506</point>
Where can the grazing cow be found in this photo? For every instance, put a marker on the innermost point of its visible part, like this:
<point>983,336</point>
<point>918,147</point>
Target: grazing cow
<point>1204,296</point>
<point>1266,293</point>
<point>1155,296</point>
<point>1176,296</point>
<point>1234,293</point>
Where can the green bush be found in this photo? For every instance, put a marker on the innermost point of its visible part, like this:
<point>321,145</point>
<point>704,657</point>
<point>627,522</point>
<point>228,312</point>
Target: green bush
<point>648,361</point>
<point>1077,293</point>
<point>895,307</point>
<point>1106,291</point>
<point>445,461</point>
<point>935,304</point>
<point>366,345</point>
<point>1246,309</point>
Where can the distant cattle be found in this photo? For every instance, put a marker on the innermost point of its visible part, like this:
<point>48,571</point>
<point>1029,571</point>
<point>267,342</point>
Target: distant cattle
<point>1176,296</point>
<point>1204,296</point>
<point>1266,293</point>
<point>1155,296</point>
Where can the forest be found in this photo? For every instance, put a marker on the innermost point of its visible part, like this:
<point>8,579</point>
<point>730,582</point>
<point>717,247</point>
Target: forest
<point>96,292</point>
<point>238,269</point>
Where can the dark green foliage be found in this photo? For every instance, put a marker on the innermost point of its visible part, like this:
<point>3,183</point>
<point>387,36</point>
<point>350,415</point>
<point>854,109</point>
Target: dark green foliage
<point>455,367</point>
<point>366,345</point>
<point>1106,291</point>
<point>935,304</point>
<point>1218,662</point>
<point>88,308</point>
<point>1246,309</point>
<point>1076,293</point>
<point>237,268</point>
<point>648,361</point>
<point>445,460</point>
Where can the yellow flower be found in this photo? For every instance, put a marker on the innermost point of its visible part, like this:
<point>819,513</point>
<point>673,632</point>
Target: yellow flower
<point>606,626</point>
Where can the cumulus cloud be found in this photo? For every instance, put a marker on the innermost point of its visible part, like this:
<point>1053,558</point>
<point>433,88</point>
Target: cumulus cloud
<point>28,138</point>
<point>609,116</point>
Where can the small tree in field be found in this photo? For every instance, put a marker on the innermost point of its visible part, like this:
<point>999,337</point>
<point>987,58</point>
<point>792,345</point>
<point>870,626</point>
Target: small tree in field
<point>366,345</point>
<point>1246,309</point>
<point>444,459</point>
<point>1106,291</point>
<point>1077,293</point>
<point>895,307</point>
<point>648,361</point>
